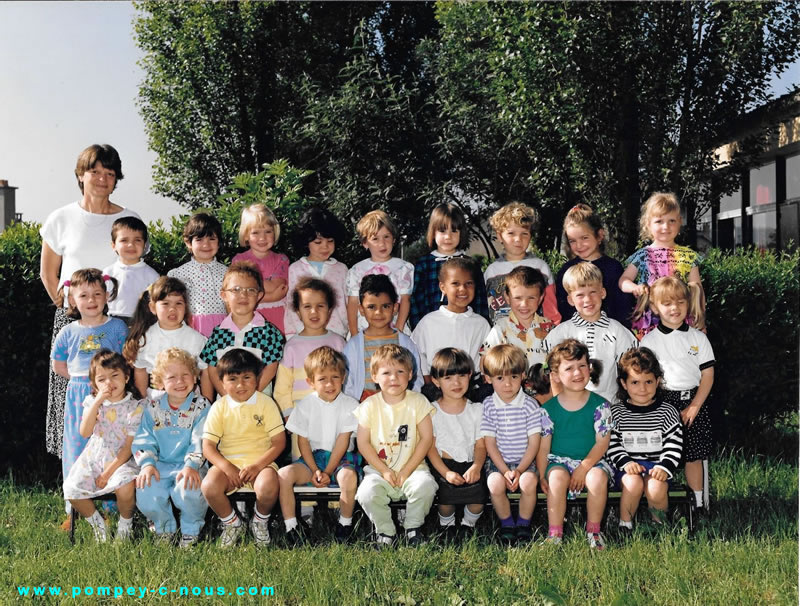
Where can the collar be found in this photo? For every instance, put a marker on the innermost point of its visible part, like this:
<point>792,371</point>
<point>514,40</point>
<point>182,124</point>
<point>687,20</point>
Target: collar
<point>437,256</point>
<point>165,332</point>
<point>602,322</point>
<point>184,406</point>
<point>527,256</point>
<point>452,314</point>
<point>196,262</point>
<point>328,261</point>
<point>235,404</point>
<point>666,330</point>
<point>325,402</point>
<point>518,400</point>
<point>120,265</point>
<point>128,397</point>
<point>229,324</point>
<point>642,409</point>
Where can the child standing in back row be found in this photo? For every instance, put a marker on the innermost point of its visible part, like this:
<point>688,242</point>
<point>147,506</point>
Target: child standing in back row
<point>447,237</point>
<point>513,225</point>
<point>260,231</point>
<point>660,223</point>
<point>203,275</point>
<point>585,238</point>
<point>378,234</point>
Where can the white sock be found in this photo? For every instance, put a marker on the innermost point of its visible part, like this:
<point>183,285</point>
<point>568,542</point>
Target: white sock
<point>96,519</point>
<point>231,519</point>
<point>698,498</point>
<point>345,521</point>
<point>262,517</point>
<point>628,524</point>
<point>124,523</point>
<point>470,519</point>
<point>445,521</point>
<point>290,524</point>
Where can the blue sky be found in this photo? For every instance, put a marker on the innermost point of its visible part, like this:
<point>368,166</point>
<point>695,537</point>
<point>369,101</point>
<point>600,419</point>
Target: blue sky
<point>69,78</point>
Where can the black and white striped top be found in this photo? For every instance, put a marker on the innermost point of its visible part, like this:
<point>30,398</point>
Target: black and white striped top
<point>651,433</point>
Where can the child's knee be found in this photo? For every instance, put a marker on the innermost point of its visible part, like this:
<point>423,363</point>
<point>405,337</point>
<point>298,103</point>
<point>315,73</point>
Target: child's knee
<point>496,483</point>
<point>632,483</point>
<point>267,483</point>
<point>347,479</point>
<point>528,482</point>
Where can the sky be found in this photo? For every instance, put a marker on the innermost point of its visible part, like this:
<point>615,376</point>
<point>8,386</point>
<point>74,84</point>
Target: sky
<point>69,78</point>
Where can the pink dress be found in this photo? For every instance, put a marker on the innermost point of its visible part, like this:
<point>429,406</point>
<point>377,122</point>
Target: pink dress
<point>274,265</point>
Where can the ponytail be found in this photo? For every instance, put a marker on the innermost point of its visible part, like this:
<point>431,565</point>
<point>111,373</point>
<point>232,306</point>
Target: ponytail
<point>538,379</point>
<point>697,306</point>
<point>142,320</point>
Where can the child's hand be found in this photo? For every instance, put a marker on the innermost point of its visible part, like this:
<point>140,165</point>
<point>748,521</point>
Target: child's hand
<point>148,472</point>
<point>639,289</point>
<point>320,479</point>
<point>249,473</point>
<point>102,480</point>
<point>234,476</point>
<point>454,478</point>
<point>577,481</point>
<point>102,394</point>
<point>402,476</point>
<point>658,474</point>
<point>472,475</point>
<point>633,468</point>
<point>689,414</point>
<point>512,479</point>
<point>390,476</point>
<point>191,478</point>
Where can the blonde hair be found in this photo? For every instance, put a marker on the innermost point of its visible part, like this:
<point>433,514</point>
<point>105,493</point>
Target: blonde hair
<point>169,356</point>
<point>669,288</point>
<point>392,353</point>
<point>322,358</point>
<point>583,215</point>
<point>371,223</point>
<point>254,216</point>
<point>657,205</point>
<point>580,275</point>
<point>515,213</point>
<point>445,216</point>
<point>505,359</point>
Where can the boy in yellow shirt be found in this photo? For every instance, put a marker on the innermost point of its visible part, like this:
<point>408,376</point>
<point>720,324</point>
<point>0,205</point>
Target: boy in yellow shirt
<point>394,434</point>
<point>242,437</point>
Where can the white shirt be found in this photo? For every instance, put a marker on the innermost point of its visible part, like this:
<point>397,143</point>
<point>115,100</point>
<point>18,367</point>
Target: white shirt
<point>606,339</point>
<point>321,422</point>
<point>456,434</point>
<point>444,328</point>
<point>157,340</point>
<point>683,353</point>
<point>132,280</point>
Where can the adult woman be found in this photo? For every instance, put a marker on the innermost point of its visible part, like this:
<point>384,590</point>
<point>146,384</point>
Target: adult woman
<point>78,236</point>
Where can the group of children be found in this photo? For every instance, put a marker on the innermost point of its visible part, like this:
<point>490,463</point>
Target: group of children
<point>529,383</point>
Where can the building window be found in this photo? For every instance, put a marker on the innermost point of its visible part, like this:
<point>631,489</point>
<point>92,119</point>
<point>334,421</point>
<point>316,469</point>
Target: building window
<point>793,176</point>
<point>762,185</point>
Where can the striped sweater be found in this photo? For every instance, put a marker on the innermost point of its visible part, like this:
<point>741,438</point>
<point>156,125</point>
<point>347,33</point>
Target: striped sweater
<point>651,433</point>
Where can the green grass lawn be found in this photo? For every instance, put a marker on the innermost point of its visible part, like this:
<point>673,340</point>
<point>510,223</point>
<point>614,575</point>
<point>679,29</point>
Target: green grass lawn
<point>745,553</point>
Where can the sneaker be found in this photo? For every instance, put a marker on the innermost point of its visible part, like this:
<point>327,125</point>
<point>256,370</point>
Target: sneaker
<point>524,534</point>
<point>414,537</point>
<point>101,533</point>
<point>260,530</point>
<point>384,541</point>
<point>596,541</point>
<point>342,533</point>
<point>164,538</point>
<point>230,534</point>
<point>187,540</point>
<point>296,537</point>
<point>124,534</point>
<point>507,535</point>
<point>552,540</point>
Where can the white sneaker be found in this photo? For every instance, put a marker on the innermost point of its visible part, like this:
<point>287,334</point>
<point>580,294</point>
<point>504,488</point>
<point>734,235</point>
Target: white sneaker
<point>230,534</point>
<point>596,540</point>
<point>260,530</point>
<point>187,540</point>
<point>124,533</point>
<point>101,533</point>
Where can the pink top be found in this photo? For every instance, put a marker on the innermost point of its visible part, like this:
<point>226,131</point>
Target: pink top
<point>274,265</point>
<point>334,273</point>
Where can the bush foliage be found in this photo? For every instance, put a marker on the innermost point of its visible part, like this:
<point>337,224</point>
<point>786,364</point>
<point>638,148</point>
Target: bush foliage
<point>752,307</point>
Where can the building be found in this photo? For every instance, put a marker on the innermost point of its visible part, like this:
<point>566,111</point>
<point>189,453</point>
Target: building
<point>765,209</point>
<point>8,212</point>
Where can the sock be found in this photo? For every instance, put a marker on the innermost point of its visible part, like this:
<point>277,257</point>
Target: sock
<point>507,522</point>
<point>96,519</point>
<point>555,531</point>
<point>523,522</point>
<point>345,521</point>
<point>592,527</point>
<point>470,519</point>
<point>290,524</point>
<point>261,517</point>
<point>698,498</point>
<point>624,524</point>
<point>445,521</point>
<point>124,523</point>
<point>231,519</point>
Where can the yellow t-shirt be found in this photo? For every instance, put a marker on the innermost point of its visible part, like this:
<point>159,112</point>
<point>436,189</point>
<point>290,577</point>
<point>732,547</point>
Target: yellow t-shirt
<point>393,427</point>
<point>243,431</point>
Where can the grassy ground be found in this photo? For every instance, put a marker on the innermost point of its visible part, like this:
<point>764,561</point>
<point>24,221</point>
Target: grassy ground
<point>745,553</point>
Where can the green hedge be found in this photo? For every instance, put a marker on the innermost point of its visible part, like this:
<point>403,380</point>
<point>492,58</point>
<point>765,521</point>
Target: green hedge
<point>753,327</point>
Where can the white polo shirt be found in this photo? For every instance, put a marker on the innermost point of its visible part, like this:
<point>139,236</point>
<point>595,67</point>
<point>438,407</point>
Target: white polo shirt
<point>683,353</point>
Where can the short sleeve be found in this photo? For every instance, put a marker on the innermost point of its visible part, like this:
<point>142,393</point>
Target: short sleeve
<point>351,282</point>
<point>534,419</point>
<point>547,423</point>
<point>495,337</point>
<point>212,430</point>
<point>273,419</point>
<point>50,234</point>
<point>347,421</point>
<point>61,346</point>
<point>488,420</point>
<point>422,408</point>
<point>404,279</point>
<point>134,419</point>
<point>705,356</point>
<point>298,421</point>
<point>602,419</point>
<point>363,413</point>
